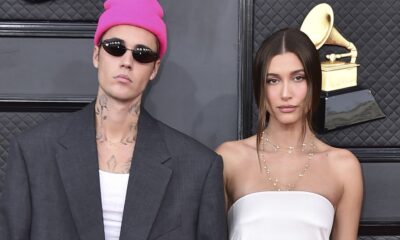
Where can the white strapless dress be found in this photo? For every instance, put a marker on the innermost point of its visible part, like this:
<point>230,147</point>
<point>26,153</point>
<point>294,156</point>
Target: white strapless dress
<point>291,215</point>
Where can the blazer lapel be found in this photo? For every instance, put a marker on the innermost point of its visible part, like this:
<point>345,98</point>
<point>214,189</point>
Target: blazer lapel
<point>148,180</point>
<point>78,166</point>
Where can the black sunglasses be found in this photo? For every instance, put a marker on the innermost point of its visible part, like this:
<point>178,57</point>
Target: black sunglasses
<point>140,53</point>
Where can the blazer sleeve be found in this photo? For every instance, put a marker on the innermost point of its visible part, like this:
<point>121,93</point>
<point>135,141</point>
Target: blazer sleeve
<point>212,218</point>
<point>15,207</point>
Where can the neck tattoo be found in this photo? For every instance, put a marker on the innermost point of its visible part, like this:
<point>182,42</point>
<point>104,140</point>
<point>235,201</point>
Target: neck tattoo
<point>273,180</point>
<point>115,155</point>
<point>102,114</point>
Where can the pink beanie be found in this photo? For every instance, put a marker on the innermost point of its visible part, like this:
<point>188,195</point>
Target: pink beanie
<point>146,14</point>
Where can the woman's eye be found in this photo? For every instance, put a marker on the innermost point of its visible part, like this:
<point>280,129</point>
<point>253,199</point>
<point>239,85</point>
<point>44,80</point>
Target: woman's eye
<point>271,81</point>
<point>299,78</point>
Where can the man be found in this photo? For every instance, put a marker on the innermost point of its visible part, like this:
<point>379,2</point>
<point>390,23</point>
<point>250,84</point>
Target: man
<point>111,171</point>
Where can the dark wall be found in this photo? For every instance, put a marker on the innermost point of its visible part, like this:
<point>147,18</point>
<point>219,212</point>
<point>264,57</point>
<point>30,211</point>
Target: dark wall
<point>197,88</point>
<point>46,68</point>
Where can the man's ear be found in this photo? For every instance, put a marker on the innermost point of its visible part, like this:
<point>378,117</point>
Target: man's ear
<point>96,51</point>
<point>155,69</point>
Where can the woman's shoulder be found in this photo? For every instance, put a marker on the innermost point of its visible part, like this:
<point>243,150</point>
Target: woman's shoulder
<point>340,159</point>
<point>236,148</point>
<point>235,152</point>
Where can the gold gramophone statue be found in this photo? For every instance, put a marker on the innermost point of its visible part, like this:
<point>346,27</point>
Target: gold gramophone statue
<point>342,102</point>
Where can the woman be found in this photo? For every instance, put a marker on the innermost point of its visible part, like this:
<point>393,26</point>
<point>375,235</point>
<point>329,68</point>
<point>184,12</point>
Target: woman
<point>283,182</point>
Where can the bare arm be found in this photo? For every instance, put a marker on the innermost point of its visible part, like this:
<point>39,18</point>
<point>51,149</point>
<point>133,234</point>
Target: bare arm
<point>349,206</point>
<point>225,151</point>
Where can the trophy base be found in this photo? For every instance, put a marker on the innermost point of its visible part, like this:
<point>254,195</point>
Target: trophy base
<point>345,107</point>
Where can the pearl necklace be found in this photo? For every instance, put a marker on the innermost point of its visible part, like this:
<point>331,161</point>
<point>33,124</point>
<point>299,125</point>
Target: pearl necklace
<point>276,184</point>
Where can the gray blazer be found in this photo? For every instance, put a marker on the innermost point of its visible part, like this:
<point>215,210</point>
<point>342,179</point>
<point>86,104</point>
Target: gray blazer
<point>52,189</point>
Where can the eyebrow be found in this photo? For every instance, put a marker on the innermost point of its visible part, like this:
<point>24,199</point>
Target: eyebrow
<point>115,39</point>
<point>123,43</point>
<point>292,73</point>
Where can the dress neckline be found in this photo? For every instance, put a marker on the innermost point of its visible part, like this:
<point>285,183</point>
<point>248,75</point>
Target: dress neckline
<point>323,198</point>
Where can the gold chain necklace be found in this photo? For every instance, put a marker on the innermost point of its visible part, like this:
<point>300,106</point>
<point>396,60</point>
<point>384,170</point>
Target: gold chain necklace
<point>278,186</point>
<point>276,147</point>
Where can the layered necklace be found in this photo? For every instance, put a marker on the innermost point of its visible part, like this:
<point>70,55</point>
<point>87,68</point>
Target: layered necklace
<point>276,184</point>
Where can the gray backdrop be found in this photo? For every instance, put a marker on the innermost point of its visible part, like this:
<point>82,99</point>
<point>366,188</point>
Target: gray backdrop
<point>197,90</point>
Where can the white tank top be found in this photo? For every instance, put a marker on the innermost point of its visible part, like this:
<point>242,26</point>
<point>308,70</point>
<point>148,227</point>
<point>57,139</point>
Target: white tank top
<point>281,215</point>
<point>113,191</point>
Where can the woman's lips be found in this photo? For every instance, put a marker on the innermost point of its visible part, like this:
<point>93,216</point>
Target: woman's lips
<point>287,109</point>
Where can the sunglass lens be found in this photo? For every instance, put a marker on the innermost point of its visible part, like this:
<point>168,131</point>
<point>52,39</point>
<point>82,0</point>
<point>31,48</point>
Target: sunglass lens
<point>115,49</point>
<point>144,55</point>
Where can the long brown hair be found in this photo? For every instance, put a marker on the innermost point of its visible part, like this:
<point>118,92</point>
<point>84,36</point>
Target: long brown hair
<point>283,41</point>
